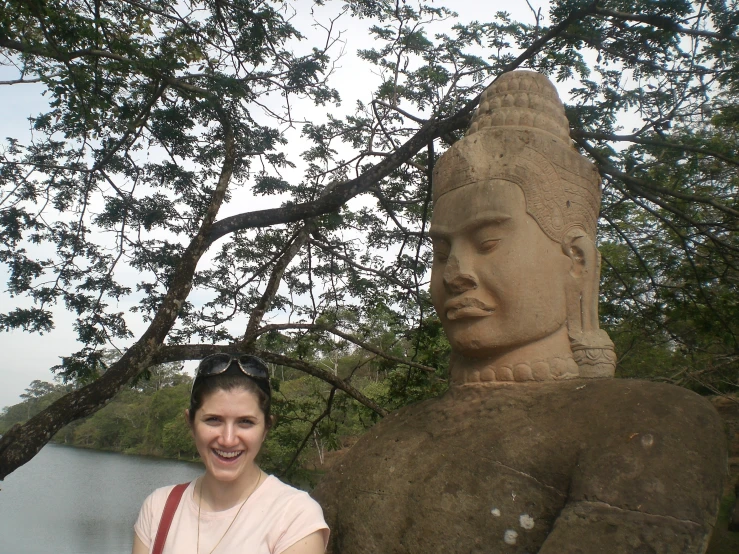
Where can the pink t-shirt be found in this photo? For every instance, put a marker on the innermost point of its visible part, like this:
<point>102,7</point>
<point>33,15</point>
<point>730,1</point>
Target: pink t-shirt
<point>275,517</point>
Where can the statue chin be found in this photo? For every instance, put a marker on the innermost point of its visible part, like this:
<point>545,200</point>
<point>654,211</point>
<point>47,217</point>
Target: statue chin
<point>541,355</point>
<point>484,337</point>
<point>532,448</point>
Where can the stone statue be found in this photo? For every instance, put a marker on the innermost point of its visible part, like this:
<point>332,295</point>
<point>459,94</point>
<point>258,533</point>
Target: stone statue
<point>517,181</point>
<point>533,449</point>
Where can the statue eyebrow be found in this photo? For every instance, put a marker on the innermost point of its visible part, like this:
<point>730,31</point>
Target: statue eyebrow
<point>485,218</point>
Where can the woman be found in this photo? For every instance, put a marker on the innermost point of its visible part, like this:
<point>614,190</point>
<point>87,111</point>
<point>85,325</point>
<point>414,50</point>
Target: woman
<point>235,507</point>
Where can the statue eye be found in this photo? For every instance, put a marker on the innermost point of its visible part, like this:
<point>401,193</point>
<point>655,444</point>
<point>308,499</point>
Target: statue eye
<point>488,245</point>
<point>440,255</point>
<point>441,250</point>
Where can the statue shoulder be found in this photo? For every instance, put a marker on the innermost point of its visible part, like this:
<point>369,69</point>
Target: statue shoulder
<point>661,451</point>
<point>648,403</point>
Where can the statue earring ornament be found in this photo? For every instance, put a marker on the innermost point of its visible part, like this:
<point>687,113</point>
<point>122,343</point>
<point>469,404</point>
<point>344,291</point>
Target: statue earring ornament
<point>591,346</point>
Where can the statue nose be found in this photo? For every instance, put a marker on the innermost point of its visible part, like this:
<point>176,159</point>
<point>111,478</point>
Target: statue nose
<point>456,280</point>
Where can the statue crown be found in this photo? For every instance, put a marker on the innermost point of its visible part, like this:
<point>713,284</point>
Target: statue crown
<point>520,134</point>
<point>522,99</point>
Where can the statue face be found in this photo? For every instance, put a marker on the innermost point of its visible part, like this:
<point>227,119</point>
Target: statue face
<point>497,282</point>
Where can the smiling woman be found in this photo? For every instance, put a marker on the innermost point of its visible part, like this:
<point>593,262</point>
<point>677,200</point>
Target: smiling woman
<point>234,507</point>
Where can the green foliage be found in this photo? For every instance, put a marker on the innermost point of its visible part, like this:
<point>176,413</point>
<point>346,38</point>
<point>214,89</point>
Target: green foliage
<point>38,396</point>
<point>724,541</point>
<point>167,405</point>
<point>147,418</point>
<point>177,439</point>
<point>164,117</point>
<point>405,385</point>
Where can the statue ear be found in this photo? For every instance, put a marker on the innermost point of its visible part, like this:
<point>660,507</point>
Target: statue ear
<point>582,252</point>
<point>582,290</point>
<point>592,349</point>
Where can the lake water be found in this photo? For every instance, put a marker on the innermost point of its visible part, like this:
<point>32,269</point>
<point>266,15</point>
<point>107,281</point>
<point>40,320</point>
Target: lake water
<point>73,501</point>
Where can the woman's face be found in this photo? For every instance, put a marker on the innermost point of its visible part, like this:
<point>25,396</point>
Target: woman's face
<point>229,429</point>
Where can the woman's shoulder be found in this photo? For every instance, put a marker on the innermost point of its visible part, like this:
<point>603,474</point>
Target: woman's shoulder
<point>274,486</point>
<point>165,490</point>
<point>159,496</point>
<point>283,494</point>
<point>295,514</point>
<point>152,510</point>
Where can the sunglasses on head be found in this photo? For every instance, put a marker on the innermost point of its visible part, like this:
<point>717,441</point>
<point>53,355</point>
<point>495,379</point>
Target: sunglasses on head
<point>250,366</point>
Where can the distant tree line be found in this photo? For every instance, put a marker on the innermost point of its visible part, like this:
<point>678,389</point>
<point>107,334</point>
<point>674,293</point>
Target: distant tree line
<point>147,418</point>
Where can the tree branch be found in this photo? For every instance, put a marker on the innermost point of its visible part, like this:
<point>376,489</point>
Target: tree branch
<point>180,352</point>
<point>273,284</point>
<point>576,133</point>
<point>642,187</point>
<point>345,336</point>
<point>23,443</point>
<point>324,414</point>
<point>347,190</point>
<point>665,23</point>
<point>394,280</point>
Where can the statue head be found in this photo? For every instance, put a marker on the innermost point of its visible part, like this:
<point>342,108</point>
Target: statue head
<point>516,270</point>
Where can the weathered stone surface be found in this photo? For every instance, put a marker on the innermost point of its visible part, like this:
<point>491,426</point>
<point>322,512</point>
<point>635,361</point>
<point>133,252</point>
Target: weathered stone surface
<point>728,408</point>
<point>531,450</point>
<point>582,466</point>
<point>734,516</point>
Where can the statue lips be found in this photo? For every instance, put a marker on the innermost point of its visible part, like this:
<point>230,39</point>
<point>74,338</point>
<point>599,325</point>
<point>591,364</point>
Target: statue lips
<point>464,308</point>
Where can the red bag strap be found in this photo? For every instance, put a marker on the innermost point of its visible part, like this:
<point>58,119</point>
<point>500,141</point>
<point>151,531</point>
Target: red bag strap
<point>173,500</point>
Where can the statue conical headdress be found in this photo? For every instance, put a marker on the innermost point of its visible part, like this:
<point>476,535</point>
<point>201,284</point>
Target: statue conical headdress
<point>520,133</point>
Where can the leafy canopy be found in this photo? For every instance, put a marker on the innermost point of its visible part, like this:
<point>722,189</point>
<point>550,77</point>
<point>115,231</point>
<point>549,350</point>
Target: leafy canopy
<point>167,127</point>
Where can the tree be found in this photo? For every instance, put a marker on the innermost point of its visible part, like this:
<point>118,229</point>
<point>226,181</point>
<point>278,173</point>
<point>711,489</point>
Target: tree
<point>39,395</point>
<point>161,113</point>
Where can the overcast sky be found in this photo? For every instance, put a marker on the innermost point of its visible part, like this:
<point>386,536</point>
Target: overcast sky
<point>29,356</point>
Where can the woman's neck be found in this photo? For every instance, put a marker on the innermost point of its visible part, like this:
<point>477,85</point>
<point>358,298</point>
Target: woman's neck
<point>217,496</point>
